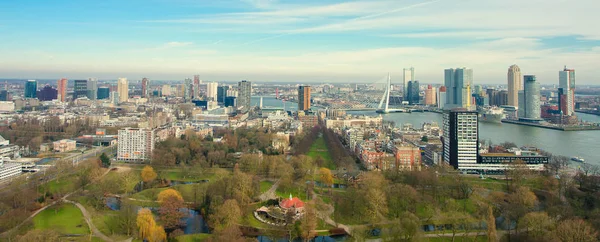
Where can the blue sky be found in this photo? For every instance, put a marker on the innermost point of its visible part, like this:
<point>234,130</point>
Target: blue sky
<point>303,41</point>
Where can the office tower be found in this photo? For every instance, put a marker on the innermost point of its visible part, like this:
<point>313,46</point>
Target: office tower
<point>478,89</point>
<point>441,97</point>
<point>196,86</point>
<point>145,87</point>
<point>430,95</point>
<point>211,91</point>
<point>114,98</point>
<point>47,93</point>
<point>103,93</point>
<point>458,82</point>
<point>135,145</point>
<point>461,138</point>
<point>187,90</point>
<point>5,96</point>
<point>92,88</point>
<point>408,74</point>
<point>567,84</point>
<point>230,101</point>
<point>531,98</point>
<point>222,93</point>
<point>244,95</point>
<point>492,95</point>
<point>31,89</point>
<point>62,89</point>
<point>413,97</point>
<point>123,89</point>
<point>303,98</point>
<point>79,89</point>
<point>521,111</point>
<point>514,85</point>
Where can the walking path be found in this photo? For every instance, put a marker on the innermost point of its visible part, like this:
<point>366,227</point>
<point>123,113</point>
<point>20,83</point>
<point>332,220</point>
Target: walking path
<point>270,194</point>
<point>86,215</point>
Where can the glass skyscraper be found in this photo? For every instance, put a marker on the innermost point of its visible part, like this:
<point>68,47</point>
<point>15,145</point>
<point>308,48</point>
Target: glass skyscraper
<point>457,82</point>
<point>31,89</point>
<point>244,95</point>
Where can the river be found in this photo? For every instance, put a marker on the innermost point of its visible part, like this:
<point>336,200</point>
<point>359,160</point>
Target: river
<point>567,143</point>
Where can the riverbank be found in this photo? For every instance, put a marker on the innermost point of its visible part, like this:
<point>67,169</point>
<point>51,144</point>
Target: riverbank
<point>560,128</point>
<point>590,112</point>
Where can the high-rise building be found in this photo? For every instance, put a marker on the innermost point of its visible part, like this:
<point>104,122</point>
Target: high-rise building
<point>531,99</point>
<point>430,95</point>
<point>303,98</point>
<point>92,88</point>
<point>230,101</point>
<point>188,90</point>
<point>211,91</point>
<point>103,93</point>
<point>461,138</point>
<point>62,89</point>
<point>197,86</point>
<point>123,89</point>
<point>458,82</point>
<point>80,89</point>
<point>31,89</point>
<point>413,97</point>
<point>441,97</point>
<point>244,95</point>
<point>567,90</point>
<point>222,93</point>
<point>514,85</point>
<point>145,87</point>
<point>135,145</point>
<point>5,96</point>
<point>166,90</point>
<point>408,74</point>
<point>47,93</point>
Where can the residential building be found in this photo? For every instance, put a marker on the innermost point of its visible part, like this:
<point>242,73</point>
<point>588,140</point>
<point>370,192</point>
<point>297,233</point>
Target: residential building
<point>408,74</point>
<point>62,89</point>
<point>212,91</point>
<point>244,95</point>
<point>123,89</point>
<point>197,83</point>
<point>353,136</point>
<point>458,82</point>
<point>64,145</point>
<point>92,88</point>
<point>514,85</point>
<point>353,122</point>
<point>430,95</point>
<point>441,97</point>
<point>166,90</point>
<point>145,87</point>
<point>308,121</point>
<point>135,145</point>
<point>7,106</point>
<point>461,138</point>
<point>31,89</point>
<point>408,157</point>
<point>303,98</point>
<point>188,90</point>
<point>567,91</point>
<point>80,89</point>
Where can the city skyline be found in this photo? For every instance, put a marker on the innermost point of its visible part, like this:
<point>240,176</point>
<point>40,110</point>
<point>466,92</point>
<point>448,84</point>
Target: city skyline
<point>309,41</point>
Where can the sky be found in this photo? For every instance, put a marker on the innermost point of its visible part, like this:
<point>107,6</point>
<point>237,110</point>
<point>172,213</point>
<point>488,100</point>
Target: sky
<point>299,41</point>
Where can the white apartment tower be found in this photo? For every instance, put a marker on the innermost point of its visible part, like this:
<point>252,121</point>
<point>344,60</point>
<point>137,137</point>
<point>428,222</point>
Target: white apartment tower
<point>567,91</point>
<point>135,145</point>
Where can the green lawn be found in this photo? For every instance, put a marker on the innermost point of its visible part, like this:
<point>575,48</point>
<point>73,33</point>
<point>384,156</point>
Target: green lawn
<point>62,185</point>
<point>193,237</point>
<point>294,190</point>
<point>265,186</point>
<point>66,219</point>
<point>319,148</point>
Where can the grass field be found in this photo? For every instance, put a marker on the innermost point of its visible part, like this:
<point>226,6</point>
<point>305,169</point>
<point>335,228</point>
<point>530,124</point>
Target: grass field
<point>265,185</point>
<point>66,219</point>
<point>192,237</point>
<point>294,190</point>
<point>62,185</point>
<point>319,149</point>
